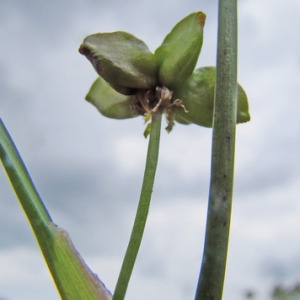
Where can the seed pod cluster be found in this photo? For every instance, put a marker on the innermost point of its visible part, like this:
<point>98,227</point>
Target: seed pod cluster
<point>129,73</point>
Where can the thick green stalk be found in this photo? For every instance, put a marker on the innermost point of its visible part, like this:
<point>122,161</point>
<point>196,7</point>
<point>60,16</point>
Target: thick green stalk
<point>142,210</point>
<point>211,279</point>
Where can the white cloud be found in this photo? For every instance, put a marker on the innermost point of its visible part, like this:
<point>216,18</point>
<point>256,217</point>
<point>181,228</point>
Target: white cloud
<point>24,275</point>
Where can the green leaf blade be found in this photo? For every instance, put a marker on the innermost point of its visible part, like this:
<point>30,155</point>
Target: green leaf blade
<point>72,277</point>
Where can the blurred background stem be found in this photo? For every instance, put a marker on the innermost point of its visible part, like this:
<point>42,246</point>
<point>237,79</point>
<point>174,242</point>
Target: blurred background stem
<point>212,274</point>
<point>142,210</point>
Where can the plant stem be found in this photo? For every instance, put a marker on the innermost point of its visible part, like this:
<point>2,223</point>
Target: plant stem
<point>211,279</point>
<point>142,210</point>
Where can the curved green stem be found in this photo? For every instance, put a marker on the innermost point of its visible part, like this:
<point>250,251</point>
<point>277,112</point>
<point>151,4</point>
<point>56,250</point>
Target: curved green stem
<point>142,210</point>
<point>211,280</point>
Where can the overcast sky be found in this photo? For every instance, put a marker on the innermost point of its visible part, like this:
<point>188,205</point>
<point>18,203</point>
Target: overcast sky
<point>88,169</point>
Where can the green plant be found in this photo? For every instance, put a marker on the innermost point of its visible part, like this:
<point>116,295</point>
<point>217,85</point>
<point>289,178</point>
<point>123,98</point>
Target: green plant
<point>133,81</point>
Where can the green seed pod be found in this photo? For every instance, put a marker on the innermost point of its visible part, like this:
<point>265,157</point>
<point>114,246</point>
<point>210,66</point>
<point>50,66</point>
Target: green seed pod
<point>197,94</point>
<point>178,54</point>
<point>109,102</point>
<point>121,59</point>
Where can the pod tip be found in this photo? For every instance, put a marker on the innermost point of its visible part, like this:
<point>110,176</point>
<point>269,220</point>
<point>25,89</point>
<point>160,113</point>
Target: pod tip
<point>201,18</point>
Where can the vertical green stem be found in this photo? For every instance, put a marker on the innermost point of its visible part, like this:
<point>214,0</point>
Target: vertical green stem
<point>211,279</point>
<point>142,210</point>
